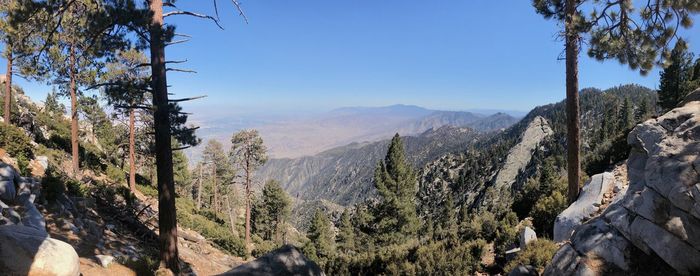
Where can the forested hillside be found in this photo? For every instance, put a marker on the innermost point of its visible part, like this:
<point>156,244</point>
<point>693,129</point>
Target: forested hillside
<point>459,210</point>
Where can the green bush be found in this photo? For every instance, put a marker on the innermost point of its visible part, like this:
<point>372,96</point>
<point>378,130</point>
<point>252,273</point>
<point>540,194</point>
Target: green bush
<point>219,234</point>
<point>546,211</point>
<point>537,254</point>
<point>115,174</point>
<point>52,186</point>
<point>147,190</point>
<point>17,144</point>
<point>76,188</point>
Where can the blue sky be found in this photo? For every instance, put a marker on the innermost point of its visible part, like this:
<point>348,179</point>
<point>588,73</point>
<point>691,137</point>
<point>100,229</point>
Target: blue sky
<point>320,55</point>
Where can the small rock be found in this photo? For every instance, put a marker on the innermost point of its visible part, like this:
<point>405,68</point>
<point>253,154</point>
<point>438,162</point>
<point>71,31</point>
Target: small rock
<point>104,260</point>
<point>527,236</point>
<point>523,270</point>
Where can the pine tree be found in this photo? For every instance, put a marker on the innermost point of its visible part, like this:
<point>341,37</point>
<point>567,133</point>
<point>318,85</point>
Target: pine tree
<point>248,152</point>
<point>52,106</point>
<point>346,234</point>
<point>448,220</point>
<point>219,169</point>
<point>321,236</point>
<point>395,180</point>
<point>673,79</point>
<point>275,212</point>
<point>614,34</point>
<point>627,116</point>
<point>126,89</point>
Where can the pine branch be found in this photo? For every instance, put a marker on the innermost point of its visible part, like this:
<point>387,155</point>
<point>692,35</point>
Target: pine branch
<point>186,99</point>
<point>199,15</point>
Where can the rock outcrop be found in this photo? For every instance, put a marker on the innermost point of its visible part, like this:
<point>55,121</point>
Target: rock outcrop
<point>28,251</point>
<point>655,226</point>
<point>25,245</point>
<point>519,156</point>
<point>589,201</point>
<point>283,261</point>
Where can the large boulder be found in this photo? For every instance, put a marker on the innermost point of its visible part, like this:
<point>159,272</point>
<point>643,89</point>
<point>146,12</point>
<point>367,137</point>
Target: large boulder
<point>27,251</point>
<point>587,204</point>
<point>286,260</point>
<point>655,227</point>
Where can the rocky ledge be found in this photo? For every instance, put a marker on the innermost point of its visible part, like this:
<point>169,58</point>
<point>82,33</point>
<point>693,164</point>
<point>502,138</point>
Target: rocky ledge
<point>654,227</point>
<point>25,245</point>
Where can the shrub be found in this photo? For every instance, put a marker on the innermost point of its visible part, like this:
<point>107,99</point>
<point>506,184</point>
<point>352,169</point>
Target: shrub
<point>76,188</point>
<point>546,211</point>
<point>17,144</point>
<point>147,190</point>
<point>537,254</point>
<point>219,234</point>
<point>115,174</point>
<point>52,186</point>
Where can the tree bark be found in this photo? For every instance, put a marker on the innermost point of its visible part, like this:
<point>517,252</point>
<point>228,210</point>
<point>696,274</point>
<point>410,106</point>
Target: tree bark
<point>572,102</point>
<point>8,86</point>
<point>73,114</point>
<point>247,203</point>
<point>216,188</point>
<point>167,219</point>
<point>132,153</point>
<point>231,217</point>
<point>199,189</point>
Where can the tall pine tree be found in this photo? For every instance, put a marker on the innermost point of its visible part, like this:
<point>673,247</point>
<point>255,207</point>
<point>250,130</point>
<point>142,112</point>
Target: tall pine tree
<point>395,180</point>
<point>674,78</point>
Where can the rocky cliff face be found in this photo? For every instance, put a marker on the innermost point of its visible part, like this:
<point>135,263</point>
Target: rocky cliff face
<point>654,227</point>
<point>519,156</point>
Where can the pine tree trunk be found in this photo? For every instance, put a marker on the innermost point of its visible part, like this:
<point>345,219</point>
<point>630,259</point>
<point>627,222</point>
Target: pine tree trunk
<point>247,204</point>
<point>572,103</point>
<point>167,219</point>
<point>74,115</point>
<point>216,188</point>
<point>231,217</point>
<point>8,86</point>
<point>199,189</point>
<point>132,153</point>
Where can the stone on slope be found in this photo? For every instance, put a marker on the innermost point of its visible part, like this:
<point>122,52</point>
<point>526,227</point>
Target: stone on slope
<point>527,235</point>
<point>584,207</point>
<point>286,260</point>
<point>27,251</point>
<point>524,270</point>
<point>104,260</point>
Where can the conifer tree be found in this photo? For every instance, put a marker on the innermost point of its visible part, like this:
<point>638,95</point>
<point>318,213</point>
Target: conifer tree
<point>395,180</point>
<point>126,89</point>
<point>248,152</point>
<point>627,116</point>
<point>276,206</point>
<point>321,236</point>
<point>675,77</point>
<point>448,220</point>
<point>214,156</point>
<point>640,41</point>
<point>346,234</point>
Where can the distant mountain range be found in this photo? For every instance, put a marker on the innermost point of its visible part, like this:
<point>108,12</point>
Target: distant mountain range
<point>298,136</point>
<point>367,124</point>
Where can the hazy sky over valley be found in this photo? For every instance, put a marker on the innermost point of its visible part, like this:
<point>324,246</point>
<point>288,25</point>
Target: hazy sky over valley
<point>320,55</point>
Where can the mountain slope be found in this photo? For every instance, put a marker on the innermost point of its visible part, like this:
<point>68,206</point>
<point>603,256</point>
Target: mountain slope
<point>471,176</point>
<point>343,175</point>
